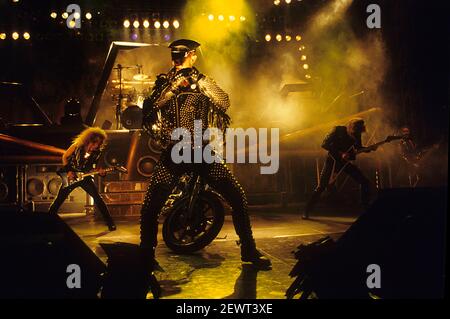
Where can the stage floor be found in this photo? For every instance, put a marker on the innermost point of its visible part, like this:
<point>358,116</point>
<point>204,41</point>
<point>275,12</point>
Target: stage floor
<point>216,271</point>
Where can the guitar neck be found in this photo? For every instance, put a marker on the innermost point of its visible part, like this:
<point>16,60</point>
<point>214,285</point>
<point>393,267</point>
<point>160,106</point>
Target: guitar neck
<point>107,170</point>
<point>369,147</point>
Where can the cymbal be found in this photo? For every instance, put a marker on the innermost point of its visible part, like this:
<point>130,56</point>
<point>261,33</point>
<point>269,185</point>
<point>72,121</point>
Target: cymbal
<point>140,77</point>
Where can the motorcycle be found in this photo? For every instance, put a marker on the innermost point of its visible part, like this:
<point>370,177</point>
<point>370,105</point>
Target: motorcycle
<point>194,215</point>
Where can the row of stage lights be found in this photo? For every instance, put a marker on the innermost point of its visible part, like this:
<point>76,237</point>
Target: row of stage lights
<point>279,38</point>
<point>15,36</point>
<point>221,17</point>
<point>278,2</point>
<point>65,15</point>
<point>146,24</point>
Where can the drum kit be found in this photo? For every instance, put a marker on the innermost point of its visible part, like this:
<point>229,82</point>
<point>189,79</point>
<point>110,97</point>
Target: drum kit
<point>129,93</point>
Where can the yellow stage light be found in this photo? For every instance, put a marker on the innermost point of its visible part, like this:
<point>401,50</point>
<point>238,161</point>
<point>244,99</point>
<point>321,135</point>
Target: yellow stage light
<point>268,37</point>
<point>146,24</point>
<point>88,16</point>
<point>2,36</point>
<point>232,18</point>
<point>242,18</point>
<point>157,24</point>
<point>136,24</point>
<point>276,2</point>
<point>220,17</point>
<point>26,36</point>
<point>76,15</point>
<point>65,15</point>
<point>54,15</point>
<point>279,37</point>
<point>305,66</point>
<point>72,24</point>
<point>298,38</point>
<point>211,17</point>
<point>303,58</point>
<point>15,35</point>
<point>166,24</point>
<point>288,1</point>
<point>126,23</point>
<point>176,24</point>
<point>288,38</point>
<point>307,76</point>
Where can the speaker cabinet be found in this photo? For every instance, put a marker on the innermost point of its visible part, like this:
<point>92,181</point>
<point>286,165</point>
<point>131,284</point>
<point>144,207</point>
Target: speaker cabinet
<point>37,251</point>
<point>8,184</point>
<point>42,187</point>
<point>402,235</point>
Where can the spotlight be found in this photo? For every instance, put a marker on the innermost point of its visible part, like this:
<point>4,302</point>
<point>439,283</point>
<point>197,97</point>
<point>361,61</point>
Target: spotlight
<point>220,17</point>
<point>288,1</point>
<point>211,17</point>
<point>126,23</point>
<point>157,24</point>
<point>268,37</point>
<point>279,37</point>
<point>232,18</point>
<point>303,47</point>
<point>288,38</point>
<point>15,35</point>
<point>303,58</point>
<point>277,2</point>
<point>72,24</point>
<point>242,18</point>
<point>76,15</point>
<point>26,36</point>
<point>305,66</point>
<point>54,15</point>
<point>2,36</point>
<point>146,24</point>
<point>166,24</point>
<point>65,15</point>
<point>307,76</point>
<point>136,24</point>
<point>88,16</point>
<point>298,38</point>
<point>176,24</point>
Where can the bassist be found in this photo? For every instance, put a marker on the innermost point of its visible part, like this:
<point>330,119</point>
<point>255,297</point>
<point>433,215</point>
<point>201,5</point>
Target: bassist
<point>82,156</point>
<point>342,144</point>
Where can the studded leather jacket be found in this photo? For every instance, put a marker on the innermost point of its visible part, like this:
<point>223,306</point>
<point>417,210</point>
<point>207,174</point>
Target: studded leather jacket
<point>180,97</point>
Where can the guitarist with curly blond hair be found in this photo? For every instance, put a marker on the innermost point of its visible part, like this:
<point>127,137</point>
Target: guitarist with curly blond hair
<point>82,157</point>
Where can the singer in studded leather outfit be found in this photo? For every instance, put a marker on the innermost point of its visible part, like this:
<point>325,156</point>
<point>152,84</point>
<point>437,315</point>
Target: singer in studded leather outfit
<point>178,98</point>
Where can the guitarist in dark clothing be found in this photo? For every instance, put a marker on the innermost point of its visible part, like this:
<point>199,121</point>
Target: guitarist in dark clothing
<point>82,156</point>
<point>342,144</point>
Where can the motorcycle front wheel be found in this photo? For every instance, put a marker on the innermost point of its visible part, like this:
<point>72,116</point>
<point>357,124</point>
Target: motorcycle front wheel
<point>186,235</point>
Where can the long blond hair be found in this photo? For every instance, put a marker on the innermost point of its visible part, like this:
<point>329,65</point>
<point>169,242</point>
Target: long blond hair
<point>88,135</point>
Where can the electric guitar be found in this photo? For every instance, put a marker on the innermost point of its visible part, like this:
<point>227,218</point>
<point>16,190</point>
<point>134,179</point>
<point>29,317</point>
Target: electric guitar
<point>79,176</point>
<point>352,150</point>
<point>372,147</point>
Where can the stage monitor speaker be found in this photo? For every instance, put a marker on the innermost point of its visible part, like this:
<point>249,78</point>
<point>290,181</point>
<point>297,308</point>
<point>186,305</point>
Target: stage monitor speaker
<point>37,252</point>
<point>402,234</point>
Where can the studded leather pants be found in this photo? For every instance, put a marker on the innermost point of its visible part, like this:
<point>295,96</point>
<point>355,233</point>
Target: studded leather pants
<point>216,175</point>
